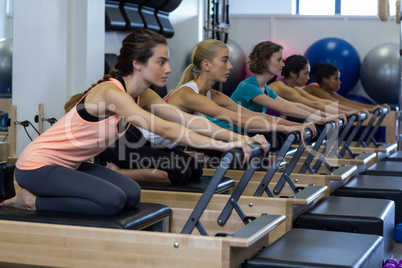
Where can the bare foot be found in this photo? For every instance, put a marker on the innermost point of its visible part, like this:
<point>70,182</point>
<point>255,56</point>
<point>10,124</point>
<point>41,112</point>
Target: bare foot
<point>23,200</point>
<point>113,166</point>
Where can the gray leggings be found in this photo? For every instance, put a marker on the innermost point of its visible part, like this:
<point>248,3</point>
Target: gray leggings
<point>90,189</point>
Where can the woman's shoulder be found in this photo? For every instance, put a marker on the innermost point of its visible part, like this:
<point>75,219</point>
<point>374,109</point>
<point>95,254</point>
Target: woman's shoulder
<point>109,86</point>
<point>112,83</point>
<point>311,87</point>
<point>278,84</point>
<point>248,83</point>
<point>191,84</point>
<point>314,89</point>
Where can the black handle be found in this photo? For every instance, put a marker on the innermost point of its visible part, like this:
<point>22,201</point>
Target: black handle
<point>256,149</point>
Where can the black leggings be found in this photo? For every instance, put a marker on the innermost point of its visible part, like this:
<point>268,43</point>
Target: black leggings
<point>90,189</point>
<point>133,151</point>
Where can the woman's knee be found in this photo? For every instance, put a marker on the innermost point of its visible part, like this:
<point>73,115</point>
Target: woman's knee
<point>114,203</point>
<point>133,195</point>
<point>121,198</point>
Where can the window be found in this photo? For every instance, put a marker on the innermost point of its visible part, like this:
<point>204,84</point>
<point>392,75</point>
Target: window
<point>316,7</point>
<point>343,7</point>
<point>360,7</point>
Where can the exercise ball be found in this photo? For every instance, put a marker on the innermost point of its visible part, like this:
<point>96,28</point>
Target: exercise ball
<point>398,233</point>
<point>238,73</point>
<point>6,52</point>
<point>340,53</point>
<point>248,72</point>
<point>379,73</point>
<point>358,98</point>
<point>288,50</point>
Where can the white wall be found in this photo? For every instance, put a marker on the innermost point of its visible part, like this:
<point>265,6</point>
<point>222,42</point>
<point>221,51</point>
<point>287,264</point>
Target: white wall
<point>57,50</point>
<point>187,19</point>
<point>59,45</point>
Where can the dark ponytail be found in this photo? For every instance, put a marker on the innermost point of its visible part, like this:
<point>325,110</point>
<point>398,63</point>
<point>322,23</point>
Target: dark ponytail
<point>294,64</point>
<point>139,45</point>
<point>323,70</point>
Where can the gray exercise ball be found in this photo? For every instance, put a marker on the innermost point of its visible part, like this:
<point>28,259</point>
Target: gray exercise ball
<point>6,52</point>
<point>379,73</point>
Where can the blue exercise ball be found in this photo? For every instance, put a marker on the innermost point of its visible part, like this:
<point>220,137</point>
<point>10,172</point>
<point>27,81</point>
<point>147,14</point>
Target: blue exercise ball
<point>358,98</point>
<point>398,233</point>
<point>379,73</point>
<point>6,52</point>
<point>340,53</point>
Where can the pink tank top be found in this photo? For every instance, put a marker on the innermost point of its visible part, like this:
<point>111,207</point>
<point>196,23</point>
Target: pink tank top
<point>71,141</point>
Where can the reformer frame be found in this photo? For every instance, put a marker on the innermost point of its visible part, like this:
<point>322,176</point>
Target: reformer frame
<point>52,244</point>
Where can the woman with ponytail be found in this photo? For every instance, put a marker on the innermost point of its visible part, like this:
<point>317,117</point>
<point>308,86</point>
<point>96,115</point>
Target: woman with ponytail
<point>194,95</point>
<point>53,170</point>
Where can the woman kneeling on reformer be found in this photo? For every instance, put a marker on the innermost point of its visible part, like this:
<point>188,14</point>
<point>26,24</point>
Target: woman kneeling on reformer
<point>53,170</point>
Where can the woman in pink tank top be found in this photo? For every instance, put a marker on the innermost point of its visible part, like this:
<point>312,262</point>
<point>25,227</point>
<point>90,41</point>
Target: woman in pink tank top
<point>53,170</point>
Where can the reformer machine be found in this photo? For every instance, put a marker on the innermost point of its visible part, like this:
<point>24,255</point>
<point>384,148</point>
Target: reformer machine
<point>346,211</point>
<point>329,155</point>
<point>377,243</point>
<point>52,238</point>
<point>316,248</point>
<point>332,178</point>
<point>366,141</point>
<point>326,230</point>
<point>298,198</point>
<point>378,181</point>
<point>364,147</point>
